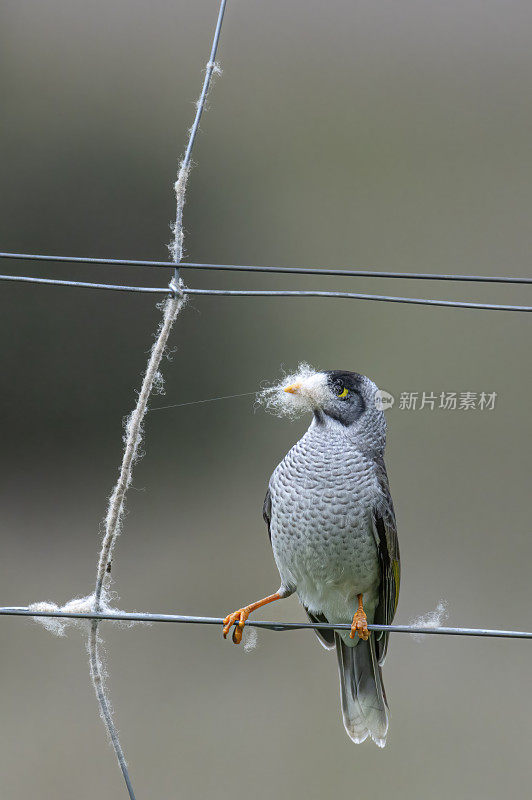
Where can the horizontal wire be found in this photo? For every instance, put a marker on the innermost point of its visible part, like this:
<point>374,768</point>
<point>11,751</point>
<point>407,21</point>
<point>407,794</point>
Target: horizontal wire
<point>358,273</point>
<point>364,273</point>
<point>355,296</point>
<point>268,293</point>
<point>125,616</point>
<point>84,285</point>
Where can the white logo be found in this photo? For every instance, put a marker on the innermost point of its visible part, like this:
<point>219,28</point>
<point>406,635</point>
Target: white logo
<point>383,400</point>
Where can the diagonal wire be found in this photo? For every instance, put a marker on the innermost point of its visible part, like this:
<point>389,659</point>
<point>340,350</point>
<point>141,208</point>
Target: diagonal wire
<point>351,273</point>
<point>185,165</point>
<point>268,293</point>
<point>125,616</point>
<point>206,83</point>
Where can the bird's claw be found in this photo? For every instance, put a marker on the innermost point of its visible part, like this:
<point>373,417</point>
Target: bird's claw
<point>359,626</point>
<point>238,619</point>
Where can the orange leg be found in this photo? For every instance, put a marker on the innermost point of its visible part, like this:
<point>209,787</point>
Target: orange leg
<point>359,626</point>
<point>238,618</point>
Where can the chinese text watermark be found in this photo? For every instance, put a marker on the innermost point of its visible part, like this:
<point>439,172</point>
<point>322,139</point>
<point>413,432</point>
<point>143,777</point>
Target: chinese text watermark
<point>432,401</point>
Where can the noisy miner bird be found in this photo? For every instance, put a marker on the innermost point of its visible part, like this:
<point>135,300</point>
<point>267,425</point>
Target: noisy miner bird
<point>332,528</point>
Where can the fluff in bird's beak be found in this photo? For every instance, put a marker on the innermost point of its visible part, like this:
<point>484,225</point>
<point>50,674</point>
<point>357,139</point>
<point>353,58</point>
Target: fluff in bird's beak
<point>303,391</point>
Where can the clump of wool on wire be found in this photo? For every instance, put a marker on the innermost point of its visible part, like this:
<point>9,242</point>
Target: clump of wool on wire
<point>432,619</point>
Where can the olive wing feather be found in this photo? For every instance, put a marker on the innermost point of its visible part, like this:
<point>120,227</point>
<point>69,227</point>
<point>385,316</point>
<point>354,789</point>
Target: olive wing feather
<point>385,531</point>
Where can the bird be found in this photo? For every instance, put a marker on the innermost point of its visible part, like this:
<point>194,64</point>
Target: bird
<point>332,528</point>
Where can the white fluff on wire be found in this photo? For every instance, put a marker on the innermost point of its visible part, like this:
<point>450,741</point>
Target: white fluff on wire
<point>432,619</point>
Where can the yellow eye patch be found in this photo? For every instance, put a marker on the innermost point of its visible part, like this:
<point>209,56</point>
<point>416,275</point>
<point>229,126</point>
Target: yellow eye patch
<point>343,393</point>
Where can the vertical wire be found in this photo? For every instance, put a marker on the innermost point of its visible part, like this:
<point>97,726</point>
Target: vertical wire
<point>133,436</point>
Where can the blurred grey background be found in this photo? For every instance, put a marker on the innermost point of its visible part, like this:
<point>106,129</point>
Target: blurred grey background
<point>378,134</point>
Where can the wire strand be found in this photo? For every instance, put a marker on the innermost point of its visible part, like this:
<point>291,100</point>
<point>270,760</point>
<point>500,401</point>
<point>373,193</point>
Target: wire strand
<point>356,296</point>
<point>267,293</point>
<point>176,248</point>
<point>85,285</point>
<point>126,616</point>
<point>206,83</point>
<point>206,400</point>
<point>352,273</point>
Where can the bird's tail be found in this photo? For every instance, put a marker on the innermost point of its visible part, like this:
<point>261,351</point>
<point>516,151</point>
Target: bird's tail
<point>364,706</point>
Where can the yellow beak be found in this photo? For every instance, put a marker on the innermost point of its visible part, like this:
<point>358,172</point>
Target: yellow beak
<point>293,389</point>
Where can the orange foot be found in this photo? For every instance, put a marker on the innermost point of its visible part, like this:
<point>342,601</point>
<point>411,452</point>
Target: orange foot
<point>359,626</point>
<point>238,618</point>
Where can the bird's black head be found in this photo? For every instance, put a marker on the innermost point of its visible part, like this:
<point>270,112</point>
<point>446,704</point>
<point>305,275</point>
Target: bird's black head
<point>335,394</point>
<point>345,402</point>
<point>334,397</point>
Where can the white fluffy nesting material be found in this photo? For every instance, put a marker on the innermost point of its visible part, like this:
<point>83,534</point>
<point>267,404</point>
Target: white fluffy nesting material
<point>313,392</point>
<point>432,619</point>
<point>79,605</point>
<point>251,639</point>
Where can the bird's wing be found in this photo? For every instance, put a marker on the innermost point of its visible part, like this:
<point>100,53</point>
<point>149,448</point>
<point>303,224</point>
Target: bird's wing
<point>267,511</point>
<point>385,531</point>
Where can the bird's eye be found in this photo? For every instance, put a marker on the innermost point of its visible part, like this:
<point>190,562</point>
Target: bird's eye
<point>341,392</point>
